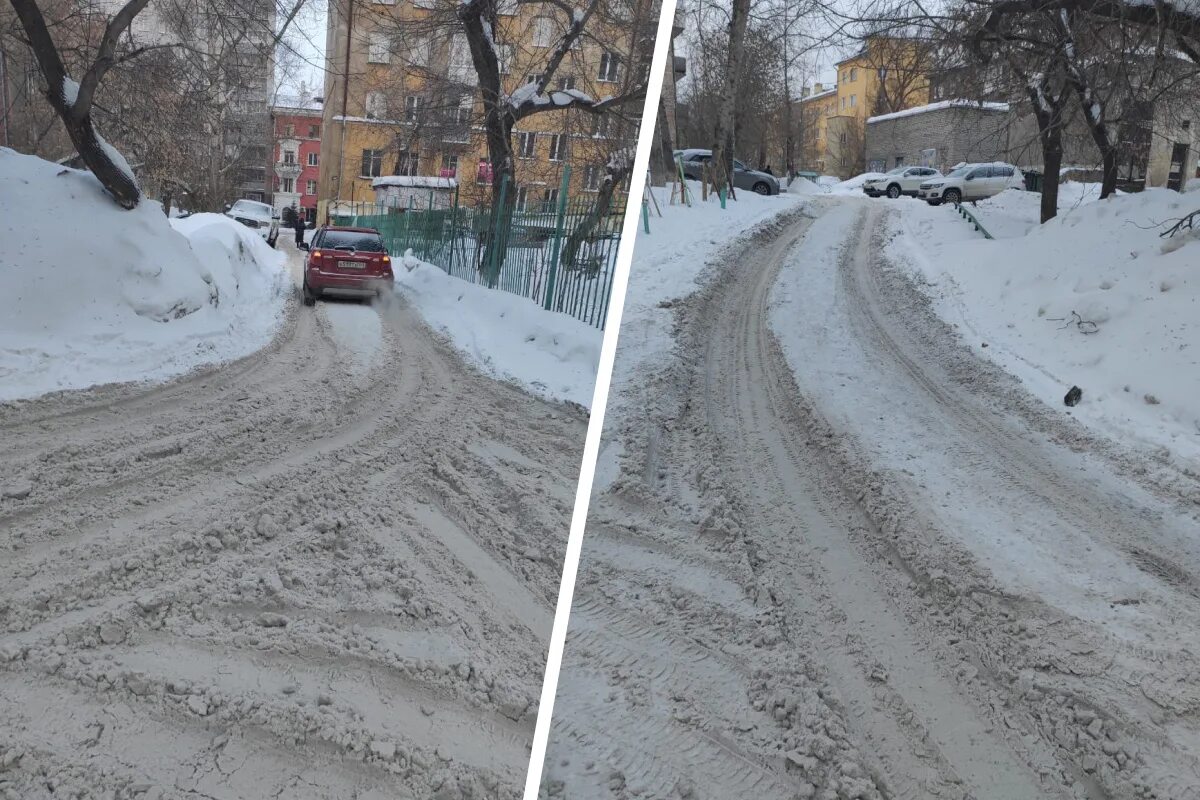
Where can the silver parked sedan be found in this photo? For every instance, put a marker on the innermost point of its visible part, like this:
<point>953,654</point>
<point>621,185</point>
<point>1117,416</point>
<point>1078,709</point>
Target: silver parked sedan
<point>743,177</point>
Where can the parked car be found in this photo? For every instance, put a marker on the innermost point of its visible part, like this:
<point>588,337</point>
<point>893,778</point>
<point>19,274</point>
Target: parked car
<point>901,180</point>
<point>972,182</point>
<point>743,177</point>
<point>346,262</point>
<point>260,216</point>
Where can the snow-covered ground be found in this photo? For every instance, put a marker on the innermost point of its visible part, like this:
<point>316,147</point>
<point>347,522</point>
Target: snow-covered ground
<point>1095,298</point>
<point>93,294</point>
<point>667,266</point>
<point>508,337</point>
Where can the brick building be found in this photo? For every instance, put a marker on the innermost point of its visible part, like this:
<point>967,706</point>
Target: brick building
<point>939,135</point>
<point>296,152</point>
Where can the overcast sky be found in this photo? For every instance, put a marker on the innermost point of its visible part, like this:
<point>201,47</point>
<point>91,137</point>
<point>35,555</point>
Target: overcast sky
<point>306,60</point>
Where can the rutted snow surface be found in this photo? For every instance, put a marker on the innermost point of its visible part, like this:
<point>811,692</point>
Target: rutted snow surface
<point>867,564</point>
<point>323,571</point>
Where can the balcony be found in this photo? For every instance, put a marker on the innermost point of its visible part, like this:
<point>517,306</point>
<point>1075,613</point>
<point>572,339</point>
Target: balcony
<point>288,169</point>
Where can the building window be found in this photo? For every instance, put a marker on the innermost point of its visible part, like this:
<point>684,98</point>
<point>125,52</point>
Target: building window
<point>610,66</point>
<point>386,2</point>
<point>591,179</point>
<point>424,3</point>
<point>534,77</point>
<point>449,166</point>
<point>289,130</point>
<point>899,161</point>
<point>379,49</point>
<point>842,137</point>
<point>462,69</point>
<point>843,102</point>
<point>312,159</point>
<point>506,8</point>
<point>601,126</point>
<point>376,105</point>
<point>421,50</point>
<point>483,172</point>
<point>505,53</point>
<point>543,32</point>
<point>854,73</point>
<point>310,187</point>
<point>408,162</point>
<point>853,100</point>
<point>842,161</point>
<point>549,199</point>
<point>566,83</point>
<point>289,157</point>
<point>462,114</point>
<point>254,175</point>
<point>525,144</point>
<point>289,185</point>
<point>372,164</point>
<point>522,198</point>
<point>558,147</point>
<point>412,108</point>
<point>929,157</point>
<point>314,131</point>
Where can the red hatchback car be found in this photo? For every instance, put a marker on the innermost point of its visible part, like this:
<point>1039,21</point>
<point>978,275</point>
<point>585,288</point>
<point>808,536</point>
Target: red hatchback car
<point>346,262</point>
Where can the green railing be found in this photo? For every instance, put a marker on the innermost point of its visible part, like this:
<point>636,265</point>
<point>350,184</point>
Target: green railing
<point>971,218</point>
<point>561,255</point>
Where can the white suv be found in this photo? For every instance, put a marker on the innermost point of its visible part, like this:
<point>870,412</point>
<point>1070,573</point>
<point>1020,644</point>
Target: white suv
<point>972,182</point>
<point>260,216</point>
<point>901,180</point>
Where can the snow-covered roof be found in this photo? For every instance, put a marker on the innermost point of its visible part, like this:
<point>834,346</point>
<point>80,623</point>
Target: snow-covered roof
<point>298,103</point>
<point>415,181</point>
<point>941,106</point>
<point>819,95</point>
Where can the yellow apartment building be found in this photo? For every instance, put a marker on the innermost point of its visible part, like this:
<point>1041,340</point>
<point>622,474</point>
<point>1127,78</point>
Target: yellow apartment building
<point>402,98</point>
<point>888,74</point>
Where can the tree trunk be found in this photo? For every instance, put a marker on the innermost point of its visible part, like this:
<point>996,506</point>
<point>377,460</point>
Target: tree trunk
<point>616,176</point>
<point>1048,113</point>
<point>723,144</point>
<point>75,112</point>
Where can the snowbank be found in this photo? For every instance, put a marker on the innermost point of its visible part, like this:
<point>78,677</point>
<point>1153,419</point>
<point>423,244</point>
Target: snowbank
<point>1103,261</point>
<point>507,336</point>
<point>854,185</point>
<point>93,294</point>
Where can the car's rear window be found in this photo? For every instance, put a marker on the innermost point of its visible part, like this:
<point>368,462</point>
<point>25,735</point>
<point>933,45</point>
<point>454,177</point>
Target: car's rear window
<point>353,240</point>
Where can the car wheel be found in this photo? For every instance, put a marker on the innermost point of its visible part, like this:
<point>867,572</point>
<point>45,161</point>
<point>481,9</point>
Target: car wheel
<point>934,202</point>
<point>953,196</point>
<point>309,298</point>
<point>761,188</point>
<point>893,191</point>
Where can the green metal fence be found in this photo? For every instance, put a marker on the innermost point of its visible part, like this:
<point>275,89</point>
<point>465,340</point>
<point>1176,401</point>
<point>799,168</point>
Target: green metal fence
<point>560,254</point>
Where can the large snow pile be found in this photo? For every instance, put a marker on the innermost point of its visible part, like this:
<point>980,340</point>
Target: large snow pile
<point>1094,298</point>
<point>1015,212</point>
<point>93,294</point>
<point>507,336</point>
<point>854,185</point>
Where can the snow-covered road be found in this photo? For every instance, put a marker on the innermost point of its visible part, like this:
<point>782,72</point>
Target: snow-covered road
<point>325,570</point>
<point>845,558</point>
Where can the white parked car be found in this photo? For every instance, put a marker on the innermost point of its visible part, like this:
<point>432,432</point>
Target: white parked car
<point>972,182</point>
<point>260,216</point>
<point>901,180</point>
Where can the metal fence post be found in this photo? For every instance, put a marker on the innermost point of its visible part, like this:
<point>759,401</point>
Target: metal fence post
<point>558,229</point>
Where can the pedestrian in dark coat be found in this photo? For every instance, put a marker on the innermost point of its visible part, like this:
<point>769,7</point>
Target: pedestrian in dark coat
<point>298,224</point>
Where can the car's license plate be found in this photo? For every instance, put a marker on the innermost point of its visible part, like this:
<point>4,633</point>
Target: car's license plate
<point>350,265</point>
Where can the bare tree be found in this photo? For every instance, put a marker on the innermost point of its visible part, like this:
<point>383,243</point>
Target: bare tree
<point>72,100</point>
<point>724,138</point>
<point>502,111</point>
